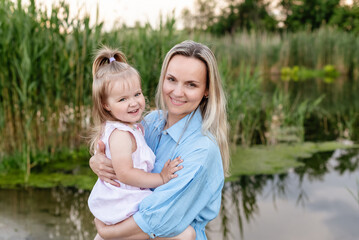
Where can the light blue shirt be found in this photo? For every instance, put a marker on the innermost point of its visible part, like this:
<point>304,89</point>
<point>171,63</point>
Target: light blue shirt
<point>194,197</point>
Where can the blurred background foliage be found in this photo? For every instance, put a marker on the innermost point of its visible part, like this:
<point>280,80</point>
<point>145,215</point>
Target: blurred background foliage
<point>290,71</point>
<point>231,16</point>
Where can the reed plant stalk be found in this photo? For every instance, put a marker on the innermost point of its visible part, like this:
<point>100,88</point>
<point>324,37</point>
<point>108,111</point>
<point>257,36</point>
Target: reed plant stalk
<point>45,73</point>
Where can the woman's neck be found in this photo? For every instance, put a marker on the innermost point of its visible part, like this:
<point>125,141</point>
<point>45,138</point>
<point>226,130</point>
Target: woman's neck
<point>170,121</point>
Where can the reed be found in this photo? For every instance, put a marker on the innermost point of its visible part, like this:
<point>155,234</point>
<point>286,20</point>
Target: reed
<point>245,103</point>
<point>44,78</point>
<point>45,75</point>
<point>270,52</point>
<point>354,193</point>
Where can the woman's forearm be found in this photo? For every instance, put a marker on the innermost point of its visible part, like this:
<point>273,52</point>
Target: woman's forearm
<point>127,229</point>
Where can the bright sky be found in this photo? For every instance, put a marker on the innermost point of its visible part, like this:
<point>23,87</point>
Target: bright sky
<point>128,11</point>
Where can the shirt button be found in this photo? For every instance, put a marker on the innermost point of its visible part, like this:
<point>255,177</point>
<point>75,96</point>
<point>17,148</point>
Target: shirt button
<point>165,132</point>
<point>152,235</point>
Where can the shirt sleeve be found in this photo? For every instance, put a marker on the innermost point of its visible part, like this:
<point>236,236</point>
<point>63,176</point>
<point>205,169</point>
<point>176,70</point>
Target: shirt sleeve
<point>172,207</point>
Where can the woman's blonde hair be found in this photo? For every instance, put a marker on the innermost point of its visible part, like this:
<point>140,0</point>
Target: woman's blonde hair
<point>109,65</point>
<point>213,107</point>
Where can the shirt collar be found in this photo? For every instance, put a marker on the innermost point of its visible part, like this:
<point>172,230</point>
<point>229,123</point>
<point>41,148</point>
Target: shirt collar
<point>186,126</point>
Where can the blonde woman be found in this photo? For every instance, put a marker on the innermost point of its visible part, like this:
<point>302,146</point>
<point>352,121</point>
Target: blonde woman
<point>192,123</point>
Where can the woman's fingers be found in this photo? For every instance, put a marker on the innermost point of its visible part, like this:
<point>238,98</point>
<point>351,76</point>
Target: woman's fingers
<point>102,166</point>
<point>104,174</point>
<point>101,147</point>
<point>112,182</point>
<point>108,174</point>
<point>107,169</point>
<point>99,226</point>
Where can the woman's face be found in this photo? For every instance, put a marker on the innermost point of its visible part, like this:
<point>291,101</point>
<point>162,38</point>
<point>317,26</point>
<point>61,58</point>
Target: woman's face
<point>184,86</point>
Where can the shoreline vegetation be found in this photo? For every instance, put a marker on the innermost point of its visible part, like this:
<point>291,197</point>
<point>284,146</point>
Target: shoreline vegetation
<point>70,168</point>
<point>282,88</point>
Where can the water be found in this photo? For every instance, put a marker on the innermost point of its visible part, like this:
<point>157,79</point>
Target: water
<point>310,202</point>
<point>43,214</point>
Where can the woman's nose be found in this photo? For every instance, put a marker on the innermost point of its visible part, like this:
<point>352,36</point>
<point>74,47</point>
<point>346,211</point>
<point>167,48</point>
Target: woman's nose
<point>178,90</point>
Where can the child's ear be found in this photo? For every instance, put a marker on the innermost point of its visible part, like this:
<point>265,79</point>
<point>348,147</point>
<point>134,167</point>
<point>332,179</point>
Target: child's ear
<point>106,107</point>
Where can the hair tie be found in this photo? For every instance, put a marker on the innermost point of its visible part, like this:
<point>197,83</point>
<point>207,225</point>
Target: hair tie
<point>112,59</point>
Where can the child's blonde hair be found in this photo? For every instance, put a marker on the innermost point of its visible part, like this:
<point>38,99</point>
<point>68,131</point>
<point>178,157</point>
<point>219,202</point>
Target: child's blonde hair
<point>109,65</point>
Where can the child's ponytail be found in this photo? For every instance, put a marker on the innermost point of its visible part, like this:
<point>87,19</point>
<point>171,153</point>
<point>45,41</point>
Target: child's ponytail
<point>106,56</point>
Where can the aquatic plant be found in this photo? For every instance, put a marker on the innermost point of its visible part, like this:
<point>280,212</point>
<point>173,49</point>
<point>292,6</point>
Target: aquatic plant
<point>355,194</point>
<point>286,116</point>
<point>244,104</point>
<point>328,74</point>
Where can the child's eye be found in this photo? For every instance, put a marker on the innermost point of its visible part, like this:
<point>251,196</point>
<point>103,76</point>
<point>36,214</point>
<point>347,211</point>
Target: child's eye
<point>122,100</point>
<point>138,94</point>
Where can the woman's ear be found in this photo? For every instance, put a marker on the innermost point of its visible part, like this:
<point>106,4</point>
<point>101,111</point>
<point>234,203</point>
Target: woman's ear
<point>206,93</point>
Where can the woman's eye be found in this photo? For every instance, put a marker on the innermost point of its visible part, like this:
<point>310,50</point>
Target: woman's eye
<point>192,85</point>
<point>171,79</point>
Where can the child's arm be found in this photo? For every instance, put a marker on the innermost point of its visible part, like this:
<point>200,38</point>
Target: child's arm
<point>122,145</point>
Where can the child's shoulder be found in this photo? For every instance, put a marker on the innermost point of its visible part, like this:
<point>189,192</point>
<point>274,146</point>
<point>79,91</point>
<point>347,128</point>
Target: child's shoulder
<point>110,126</point>
<point>114,124</point>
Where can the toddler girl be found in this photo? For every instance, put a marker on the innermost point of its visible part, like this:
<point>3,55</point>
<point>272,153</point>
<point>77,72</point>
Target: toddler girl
<point>118,104</point>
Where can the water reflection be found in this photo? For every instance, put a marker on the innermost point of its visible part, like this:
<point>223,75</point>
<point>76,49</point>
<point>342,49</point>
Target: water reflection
<point>309,202</point>
<point>45,214</point>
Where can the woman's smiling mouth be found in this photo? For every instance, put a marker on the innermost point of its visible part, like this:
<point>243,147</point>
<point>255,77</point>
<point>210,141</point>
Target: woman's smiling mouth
<point>177,102</point>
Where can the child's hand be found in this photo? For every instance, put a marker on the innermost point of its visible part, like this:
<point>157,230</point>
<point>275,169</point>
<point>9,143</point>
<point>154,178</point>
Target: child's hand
<point>169,169</point>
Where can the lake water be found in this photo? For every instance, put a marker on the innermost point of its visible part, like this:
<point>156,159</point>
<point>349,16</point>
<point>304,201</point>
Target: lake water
<point>310,202</point>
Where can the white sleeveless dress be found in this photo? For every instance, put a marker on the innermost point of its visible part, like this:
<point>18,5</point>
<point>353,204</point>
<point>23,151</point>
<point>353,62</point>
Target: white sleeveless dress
<point>112,204</point>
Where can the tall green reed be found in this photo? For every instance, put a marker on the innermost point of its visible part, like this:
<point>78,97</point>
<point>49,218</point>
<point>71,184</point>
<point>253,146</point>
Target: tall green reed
<point>245,102</point>
<point>44,78</point>
<point>45,74</point>
<point>270,52</point>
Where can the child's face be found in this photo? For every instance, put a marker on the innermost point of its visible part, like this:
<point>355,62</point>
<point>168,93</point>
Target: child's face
<point>126,101</point>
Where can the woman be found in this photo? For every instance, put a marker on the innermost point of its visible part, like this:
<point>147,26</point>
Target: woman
<point>191,124</point>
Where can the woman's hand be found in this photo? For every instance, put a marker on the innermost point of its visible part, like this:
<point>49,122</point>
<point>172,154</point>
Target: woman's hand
<point>100,226</point>
<point>102,166</point>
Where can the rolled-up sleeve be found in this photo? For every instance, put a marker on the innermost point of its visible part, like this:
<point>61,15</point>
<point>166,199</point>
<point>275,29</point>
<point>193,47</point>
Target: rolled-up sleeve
<point>174,206</point>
